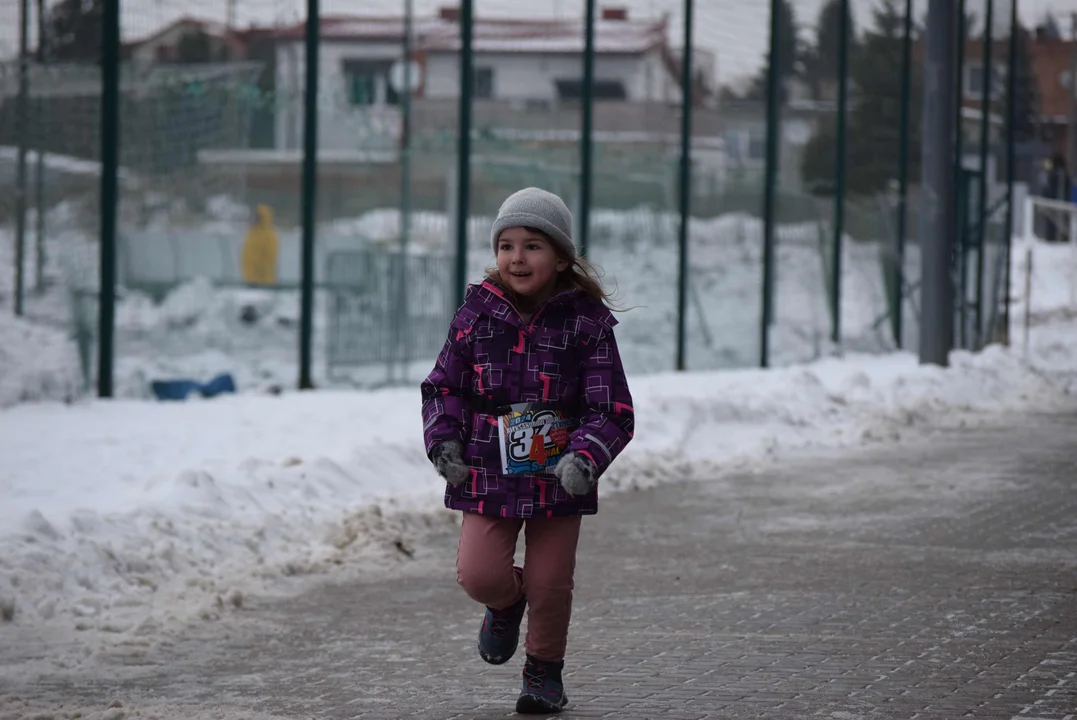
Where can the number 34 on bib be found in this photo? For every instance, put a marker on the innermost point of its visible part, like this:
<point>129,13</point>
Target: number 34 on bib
<point>532,441</point>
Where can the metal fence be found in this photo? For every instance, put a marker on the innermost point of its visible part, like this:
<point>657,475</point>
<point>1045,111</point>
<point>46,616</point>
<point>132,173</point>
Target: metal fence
<point>385,311</point>
<point>771,214</point>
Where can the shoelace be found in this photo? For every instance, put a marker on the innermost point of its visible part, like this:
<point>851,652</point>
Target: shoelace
<point>502,619</point>
<point>499,625</point>
<point>536,677</point>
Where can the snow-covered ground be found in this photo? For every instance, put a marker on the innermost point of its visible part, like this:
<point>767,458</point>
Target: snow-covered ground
<point>201,329</point>
<point>124,519</point>
<point>121,520</point>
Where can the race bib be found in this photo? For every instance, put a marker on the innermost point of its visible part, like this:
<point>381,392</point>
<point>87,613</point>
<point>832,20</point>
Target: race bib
<point>533,438</point>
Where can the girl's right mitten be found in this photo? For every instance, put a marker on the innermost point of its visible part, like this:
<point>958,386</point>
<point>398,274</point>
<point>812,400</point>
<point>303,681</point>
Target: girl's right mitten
<point>449,462</point>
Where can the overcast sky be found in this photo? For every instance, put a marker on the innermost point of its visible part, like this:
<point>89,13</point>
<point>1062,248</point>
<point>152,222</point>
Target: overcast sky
<point>735,30</point>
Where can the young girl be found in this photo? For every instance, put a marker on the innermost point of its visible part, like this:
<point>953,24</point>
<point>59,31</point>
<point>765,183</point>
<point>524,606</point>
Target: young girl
<point>525,409</point>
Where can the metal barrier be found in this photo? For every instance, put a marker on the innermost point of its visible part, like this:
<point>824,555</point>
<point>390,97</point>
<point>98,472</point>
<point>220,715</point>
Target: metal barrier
<point>384,311</point>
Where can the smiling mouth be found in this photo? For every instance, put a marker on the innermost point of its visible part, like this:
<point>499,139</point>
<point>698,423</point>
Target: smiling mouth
<point>521,274</point>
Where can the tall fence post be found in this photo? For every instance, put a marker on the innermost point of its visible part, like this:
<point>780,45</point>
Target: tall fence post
<point>937,157</point>
<point>897,302</point>
<point>985,127</point>
<point>587,102</point>
<point>22,125</point>
<point>960,249</point>
<point>109,195</point>
<point>310,195</point>
<point>463,151</point>
<point>839,172</point>
<point>770,181</point>
<point>685,196</point>
<point>1011,160</point>
<point>39,178</point>
<point>401,328</point>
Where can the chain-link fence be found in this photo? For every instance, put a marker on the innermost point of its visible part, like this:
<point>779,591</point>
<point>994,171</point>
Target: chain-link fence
<point>803,227</point>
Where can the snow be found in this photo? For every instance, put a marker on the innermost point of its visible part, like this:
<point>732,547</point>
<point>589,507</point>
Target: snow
<point>122,520</point>
<point>54,162</point>
<point>37,362</point>
<point>206,325</point>
<point>1053,282</point>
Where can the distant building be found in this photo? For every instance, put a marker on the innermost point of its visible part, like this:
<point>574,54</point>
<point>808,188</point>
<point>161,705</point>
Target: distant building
<point>527,87</point>
<point>199,40</point>
<point>533,66</point>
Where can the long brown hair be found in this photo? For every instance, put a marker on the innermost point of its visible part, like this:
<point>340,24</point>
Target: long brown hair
<point>580,274</point>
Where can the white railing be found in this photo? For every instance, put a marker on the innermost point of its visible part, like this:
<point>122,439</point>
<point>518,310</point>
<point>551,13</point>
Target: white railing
<point>1044,218</point>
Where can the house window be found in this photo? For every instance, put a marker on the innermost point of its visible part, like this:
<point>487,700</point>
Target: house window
<point>600,90</point>
<point>367,82</point>
<point>482,83</point>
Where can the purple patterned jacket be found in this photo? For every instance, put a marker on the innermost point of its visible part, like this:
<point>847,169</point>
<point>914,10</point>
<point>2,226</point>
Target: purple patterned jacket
<point>567,352</point>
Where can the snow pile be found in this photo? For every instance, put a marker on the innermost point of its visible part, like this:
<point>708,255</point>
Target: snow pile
<point>199,330</point>
<point>37,362</point>
<point>1052,286</point>
<point>122,519</point>
<point>67,164</point>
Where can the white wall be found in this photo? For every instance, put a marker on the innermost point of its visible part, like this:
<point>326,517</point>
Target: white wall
<point>527,77</point>
<point>657,84</point>
<point>341,126</point>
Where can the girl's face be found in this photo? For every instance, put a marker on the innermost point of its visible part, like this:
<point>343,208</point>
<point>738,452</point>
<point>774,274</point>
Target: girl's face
<point>527,263</point>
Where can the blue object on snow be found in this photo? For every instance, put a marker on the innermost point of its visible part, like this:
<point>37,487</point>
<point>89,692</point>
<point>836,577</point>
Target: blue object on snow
<point>180,389</point>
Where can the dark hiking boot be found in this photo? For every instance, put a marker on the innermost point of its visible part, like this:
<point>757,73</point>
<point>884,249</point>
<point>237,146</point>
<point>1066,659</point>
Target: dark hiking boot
<point>543,692</point>
<point>500,633</point>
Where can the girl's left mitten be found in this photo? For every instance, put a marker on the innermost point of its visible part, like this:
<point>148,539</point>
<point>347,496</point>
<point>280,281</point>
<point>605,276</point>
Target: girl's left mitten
<point>576,473</point>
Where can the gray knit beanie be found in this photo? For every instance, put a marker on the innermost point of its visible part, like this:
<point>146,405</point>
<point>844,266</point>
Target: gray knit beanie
<point>534,207</point>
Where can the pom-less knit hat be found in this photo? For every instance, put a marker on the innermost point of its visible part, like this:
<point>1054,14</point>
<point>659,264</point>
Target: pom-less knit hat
<point>534,207</point>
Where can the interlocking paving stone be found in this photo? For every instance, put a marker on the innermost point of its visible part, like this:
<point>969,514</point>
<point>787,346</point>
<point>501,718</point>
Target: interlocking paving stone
<point>934,579</point>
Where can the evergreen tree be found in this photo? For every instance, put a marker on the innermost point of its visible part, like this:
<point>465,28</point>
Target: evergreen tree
<point>873,140</point>
<point>875,122</point>
<point>790,55</point>
<point>74,31</point>
<point>1026,97</point>
<point>821,59</point>
<point>1049,27</point>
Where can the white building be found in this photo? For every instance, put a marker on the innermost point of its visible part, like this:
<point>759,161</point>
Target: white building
<point>533,65</point>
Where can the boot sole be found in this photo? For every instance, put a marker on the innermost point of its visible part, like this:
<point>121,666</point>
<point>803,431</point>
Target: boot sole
<point>496,659</point>
<point>502,659</point>
<point>535,705</point>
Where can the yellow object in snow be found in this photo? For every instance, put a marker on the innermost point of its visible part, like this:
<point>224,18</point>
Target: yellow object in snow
<point>259,255</point>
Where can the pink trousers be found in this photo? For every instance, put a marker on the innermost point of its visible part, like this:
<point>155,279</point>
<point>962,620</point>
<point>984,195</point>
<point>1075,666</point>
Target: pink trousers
<point>484,569</point>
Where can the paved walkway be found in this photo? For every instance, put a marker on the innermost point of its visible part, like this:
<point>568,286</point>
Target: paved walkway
<point>932,580</point>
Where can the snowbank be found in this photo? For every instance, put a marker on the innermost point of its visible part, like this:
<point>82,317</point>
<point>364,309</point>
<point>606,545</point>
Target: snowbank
<point>37,362</point>
<point>1052,287</point>
<point>124,519</point>
<point>199,330</point>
